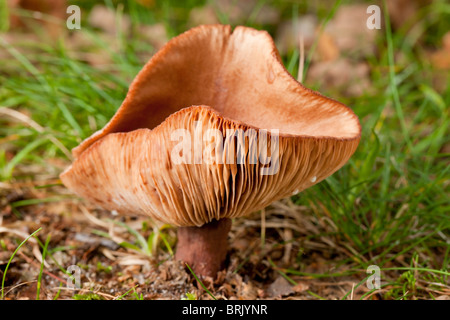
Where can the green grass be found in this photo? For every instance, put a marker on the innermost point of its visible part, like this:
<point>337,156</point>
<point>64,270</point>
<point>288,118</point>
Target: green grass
<point>87,296</point>
<point>141,245</point>
<point>44,255</point>
<point>4,13</point>
<point>134,294</point>
<point>392,198</point>
<point>390,201</point>
<point>201,283</point>
<point>12,257</point>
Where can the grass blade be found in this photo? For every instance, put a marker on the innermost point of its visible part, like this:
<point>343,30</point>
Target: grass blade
<point>201,283</point>
<point>392,81</point>
<point>12,256</point>
<point>140,239</point>
<point>7,171</point>
<point>44,254</point>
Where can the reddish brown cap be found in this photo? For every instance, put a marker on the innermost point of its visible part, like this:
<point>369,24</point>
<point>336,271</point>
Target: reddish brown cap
<point>212,79</point>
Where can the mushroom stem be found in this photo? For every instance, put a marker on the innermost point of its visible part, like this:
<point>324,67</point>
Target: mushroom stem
<point>204,248</point>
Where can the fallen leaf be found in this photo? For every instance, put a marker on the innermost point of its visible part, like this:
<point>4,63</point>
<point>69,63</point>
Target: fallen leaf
<point>300,287</point>
<point>249,291</point>
<point>280,287</point>
<point>327,49</point>
<point>96,241</point>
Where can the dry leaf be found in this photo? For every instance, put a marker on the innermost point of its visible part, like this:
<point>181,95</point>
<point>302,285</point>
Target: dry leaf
<point>300,287</point>
<point>280,287</point>
<point>249,291</point>
<point>327,49</point>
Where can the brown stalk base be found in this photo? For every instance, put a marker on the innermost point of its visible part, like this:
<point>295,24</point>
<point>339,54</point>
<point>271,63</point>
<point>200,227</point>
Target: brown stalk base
<point>204,248</point>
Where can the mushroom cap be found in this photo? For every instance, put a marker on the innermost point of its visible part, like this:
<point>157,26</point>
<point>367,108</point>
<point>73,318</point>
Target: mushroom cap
<point>227,90</point>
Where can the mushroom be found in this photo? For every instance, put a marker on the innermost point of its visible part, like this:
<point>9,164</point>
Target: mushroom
<point>212,128</point>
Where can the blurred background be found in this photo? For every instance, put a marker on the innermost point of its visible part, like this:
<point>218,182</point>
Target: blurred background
<point>387,207</point>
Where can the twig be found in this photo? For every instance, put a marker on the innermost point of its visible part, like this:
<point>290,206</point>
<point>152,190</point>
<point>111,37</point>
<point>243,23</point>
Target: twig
<point>30,261</point>
<point>351,294</point>
<point>18,285</point>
